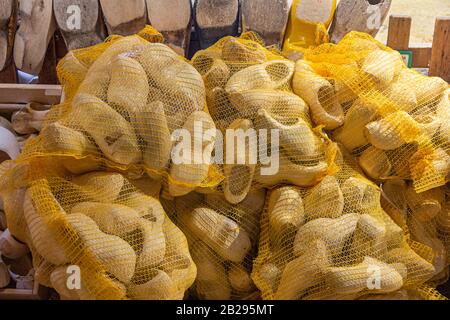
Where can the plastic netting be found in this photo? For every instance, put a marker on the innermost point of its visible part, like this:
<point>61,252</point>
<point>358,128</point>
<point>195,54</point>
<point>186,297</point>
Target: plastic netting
<point>424,217</point>
<point>334,241</point>
<point>248,89</point>
<point>97,235</point>
<point>394,119</point>
<point>124,99</point>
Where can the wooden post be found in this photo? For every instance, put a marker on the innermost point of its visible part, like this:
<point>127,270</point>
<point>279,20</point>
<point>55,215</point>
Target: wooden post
<point>268,18</point>
<point>440,53</point>
<point>399,32</point>
<point>216,19</point>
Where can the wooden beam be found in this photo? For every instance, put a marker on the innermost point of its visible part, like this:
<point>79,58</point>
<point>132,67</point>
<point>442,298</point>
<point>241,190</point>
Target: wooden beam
<point>13,94</point>
<point>440,54</point>
<point>268,18</point>
<point>216,19</point>
<point>399,32</point>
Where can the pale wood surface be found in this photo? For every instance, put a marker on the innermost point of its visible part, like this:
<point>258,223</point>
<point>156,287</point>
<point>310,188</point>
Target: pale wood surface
<point>216,19</point>
<point>268,18</point>
<point>124,17</point>
<point>92,30</point>
<point>13,94</point>
<point>173,19</point>
<point>354,15</point>
<point>36,29</point>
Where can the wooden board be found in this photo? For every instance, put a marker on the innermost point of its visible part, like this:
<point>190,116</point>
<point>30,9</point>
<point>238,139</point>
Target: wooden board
<point>440,54</point>
<point>37,293</point>
<point>399,32</point>
<point>173,19</point>
<point>268,18</point>
<point>13,94</point>
<point>215,19</point>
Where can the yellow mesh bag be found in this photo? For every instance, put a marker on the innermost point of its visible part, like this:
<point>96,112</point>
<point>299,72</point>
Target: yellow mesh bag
<point>394,119</point>
<point>248,87</point>
<point>334,241</point>
<point>111,229</point>
<point>124,101</point>
<point>424,218</point>
<point>222,238</point>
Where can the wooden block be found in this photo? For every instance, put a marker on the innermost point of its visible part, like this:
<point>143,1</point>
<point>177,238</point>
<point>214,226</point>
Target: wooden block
<point>362,15</point>
<point>36,29</point>
<point>440,53</point>
<point>8,20</point>
<point>268,18</point>
<point>215,19</point>
<point>124,17</point>
<point>48,72</point>
<point>173,19</point>
<point>399,32</point>
<point>80,22</point>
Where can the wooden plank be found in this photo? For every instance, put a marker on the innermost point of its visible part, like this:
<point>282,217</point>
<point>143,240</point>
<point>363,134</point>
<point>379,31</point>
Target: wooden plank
<point>215,19</point>
<point>440,54</point>
<point>421,55</point>
<point>37,293</point>
<point>88,30</point>
<point>399,32</point>
<point>23,93</point>
<point>173,19</point>
<point>268,18</point>
<point>364,16</point>
<point>48,71</point>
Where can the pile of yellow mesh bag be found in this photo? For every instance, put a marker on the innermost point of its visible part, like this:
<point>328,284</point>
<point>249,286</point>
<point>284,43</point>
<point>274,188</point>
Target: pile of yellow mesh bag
<point>263,203</point>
